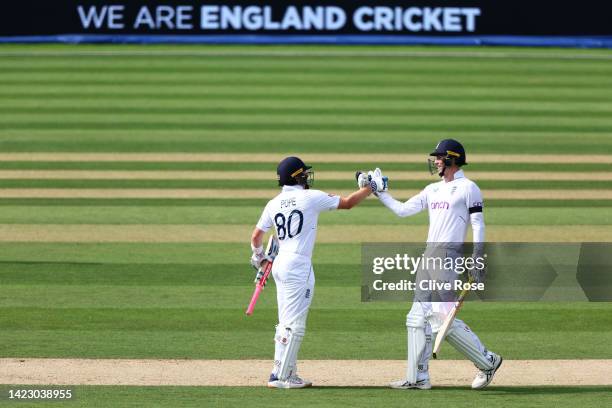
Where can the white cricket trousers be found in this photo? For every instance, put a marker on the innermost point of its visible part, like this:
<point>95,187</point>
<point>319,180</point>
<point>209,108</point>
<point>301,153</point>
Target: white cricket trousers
<point>294,278</point>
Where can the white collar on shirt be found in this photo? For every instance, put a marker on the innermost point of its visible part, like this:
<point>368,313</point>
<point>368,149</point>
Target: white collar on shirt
<point>292,188</point>
<point>459,174</point>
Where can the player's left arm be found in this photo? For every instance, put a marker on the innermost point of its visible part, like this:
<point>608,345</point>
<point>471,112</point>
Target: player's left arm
<point>474,204</point>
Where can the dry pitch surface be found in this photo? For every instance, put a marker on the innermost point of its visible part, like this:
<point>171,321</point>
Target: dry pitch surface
<point>329,373</point>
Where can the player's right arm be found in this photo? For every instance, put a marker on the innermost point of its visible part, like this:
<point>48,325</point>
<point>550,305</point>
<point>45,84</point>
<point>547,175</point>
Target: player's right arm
<point>263,225</point>
<point>327,202</point>
<point>414,205</point>
<point>346,203</point>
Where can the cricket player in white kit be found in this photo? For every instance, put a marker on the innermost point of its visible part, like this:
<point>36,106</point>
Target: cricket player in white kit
<point>453,203</point>
<point>294,214</point>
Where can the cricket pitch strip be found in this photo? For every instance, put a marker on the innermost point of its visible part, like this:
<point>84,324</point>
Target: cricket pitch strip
<point>337,373</point>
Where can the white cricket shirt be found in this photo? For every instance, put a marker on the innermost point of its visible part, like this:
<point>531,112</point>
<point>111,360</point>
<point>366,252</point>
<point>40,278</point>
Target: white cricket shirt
<point>294,214</point>
<point>451,206</point>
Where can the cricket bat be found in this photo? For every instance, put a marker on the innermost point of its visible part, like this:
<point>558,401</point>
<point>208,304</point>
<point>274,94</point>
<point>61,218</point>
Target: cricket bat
<point>263,273</point>
<point>449,321</point>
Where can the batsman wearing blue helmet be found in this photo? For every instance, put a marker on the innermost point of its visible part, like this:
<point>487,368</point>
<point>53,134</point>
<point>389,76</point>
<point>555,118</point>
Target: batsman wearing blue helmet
<point>453,203</point>
<point>294,214</point>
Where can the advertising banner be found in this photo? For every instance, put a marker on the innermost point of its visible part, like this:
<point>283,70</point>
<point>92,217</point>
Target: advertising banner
<point>333,21</point>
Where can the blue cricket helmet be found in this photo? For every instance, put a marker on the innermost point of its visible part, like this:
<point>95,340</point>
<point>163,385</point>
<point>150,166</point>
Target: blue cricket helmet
<point>292,171</point>
<point>451,149</point>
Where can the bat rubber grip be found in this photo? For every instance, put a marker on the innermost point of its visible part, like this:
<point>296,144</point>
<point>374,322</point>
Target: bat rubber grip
<point>249,310</point>
<point>258,288</point>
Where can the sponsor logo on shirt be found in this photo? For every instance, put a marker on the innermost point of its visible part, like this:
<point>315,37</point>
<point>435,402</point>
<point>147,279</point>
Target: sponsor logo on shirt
<point>440,205</point>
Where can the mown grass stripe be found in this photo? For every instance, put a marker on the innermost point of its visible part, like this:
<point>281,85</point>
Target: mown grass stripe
<point>203,186</point>
<point>279,124</point>
<point>308,157</point>
<point>153,253</point>
<point>212,344</point>
<point>205,95</point>
<point>223,104</point>
<point>575,143</point>
<point>311,92</point>
<point>308,54</point>
<point>260,202</point>
<point>51,274</point>
<point>195,215</point>
<point>113,193</point>
<point>334,65</point>
<point>542,169</point>
<point>52,233</point>
<point>213,253</point>
<point>554,84</point>
<point>257,118</point>
<point>189,319</point>
<point>388,112</point>
<point>201,296</point>
<point>247,175</point>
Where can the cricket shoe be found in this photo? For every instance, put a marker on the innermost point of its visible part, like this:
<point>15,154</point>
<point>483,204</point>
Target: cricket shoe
<point>291,382</point>
<point>405,385</point>
<point>484,377</point>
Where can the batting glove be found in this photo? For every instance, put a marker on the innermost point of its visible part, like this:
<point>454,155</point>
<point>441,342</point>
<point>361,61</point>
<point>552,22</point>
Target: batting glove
<point>362,179</point>
<point>258,257</point>
<point>378,182</point>
<point>477,275</point>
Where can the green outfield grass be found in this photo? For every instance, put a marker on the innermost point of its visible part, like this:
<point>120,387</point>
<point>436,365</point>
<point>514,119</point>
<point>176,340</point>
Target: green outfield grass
<point>187,300</point>
<point>321,167</point>
<point>370,215</point>
<point>272,184</point>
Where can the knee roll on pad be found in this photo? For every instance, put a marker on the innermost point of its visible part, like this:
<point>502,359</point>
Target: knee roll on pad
<point>282,335</point>
<point>297,330</point>
<point>415,321</point>
<point>416,316</point>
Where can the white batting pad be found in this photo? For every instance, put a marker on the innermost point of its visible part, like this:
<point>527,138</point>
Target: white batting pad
<point>464,340</point>
<point>288,364</point>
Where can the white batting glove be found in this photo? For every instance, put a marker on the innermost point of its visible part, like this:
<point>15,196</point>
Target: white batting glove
<point>258,256</point>
<point>477,273</point>
<point>378,182</point>
<point>362,179</point>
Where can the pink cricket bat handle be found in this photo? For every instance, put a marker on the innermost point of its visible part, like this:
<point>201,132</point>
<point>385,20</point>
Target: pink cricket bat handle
<point>258,288</point>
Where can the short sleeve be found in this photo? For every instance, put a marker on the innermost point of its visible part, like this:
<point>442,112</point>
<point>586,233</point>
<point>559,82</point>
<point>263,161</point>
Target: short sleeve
<point>324,202</point>
<point>265,221</point>
<point>473,200</point>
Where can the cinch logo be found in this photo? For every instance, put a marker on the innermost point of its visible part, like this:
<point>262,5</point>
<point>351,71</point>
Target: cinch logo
<point>440,205</point>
